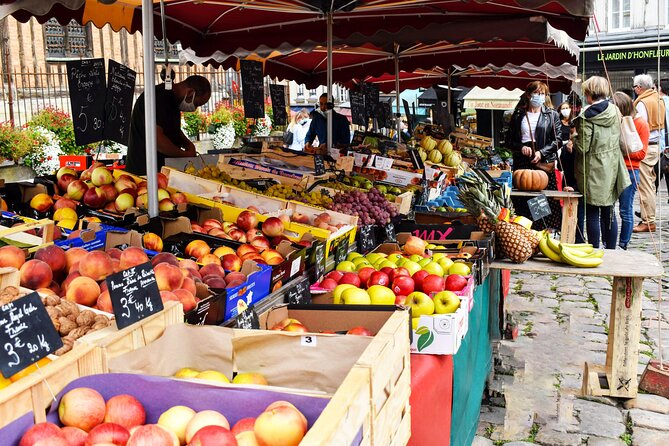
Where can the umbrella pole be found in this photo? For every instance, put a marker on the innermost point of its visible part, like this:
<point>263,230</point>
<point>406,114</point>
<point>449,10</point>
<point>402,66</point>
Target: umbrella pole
<point>397,93</point>
<point>329,80</point>
<point>150,107</point>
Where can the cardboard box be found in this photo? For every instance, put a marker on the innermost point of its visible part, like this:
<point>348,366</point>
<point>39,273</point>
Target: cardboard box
<point>440,334</point>
<point>255,288</point>
<point>101,236</point>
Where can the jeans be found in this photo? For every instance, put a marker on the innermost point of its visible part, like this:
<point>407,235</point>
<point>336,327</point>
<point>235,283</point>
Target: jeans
<point>601,224</point>
<point>626,208</point>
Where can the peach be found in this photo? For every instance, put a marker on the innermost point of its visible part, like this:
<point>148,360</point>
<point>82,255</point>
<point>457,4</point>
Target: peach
<point>168,277</point>
<point>165,257</point>
<point>74,256</point>
<point>272,227</point>
<point>202,419</point>
<point>272,257</point>
<point>211,223</point>
<point>116,264</point>
<point>167,296</point>
<point>65,170</point>
<point>114,253</point>
<point>41,202</point>
<point>36,274</point>
<point>152,242</point>
<point>218,232</point>
<point>166,205</point>
<point>104,302</point>
<point>142,200</point>
<point>132,256</point>
<point>253,233</point>
<point>125,410</point>
<point>64,202</point>
<point>54,256</point>
<point>246,249</point>
<point>197,228</point>
<point>212,268</point>
<point>66,283</point>
<point>178,198</point>
<point>162,180</point>
<point>83,290</point>
<point>82,407</point>
<point>280,424</point>
<point>231,262</point>
<point>110,193</point>
<point>123,183</point>
<point>223,250</point>
<point>12,256</point>
<point>238,235</point>
<point>96,264</point>
<point>247,220</point>
<point>95,198</point>
<point>260,243</point>
<point>186,298</point>
<point>209,258</point>
<point>188,264</point>
<point>215,282</point>
<point>197,248</point>
<point>285,219</point>
<point>189,285</point>
<point>236,276</point>
<point>101,176</point>
<point>124,201</point>
<point>76,190</point>
<point>41,431</point>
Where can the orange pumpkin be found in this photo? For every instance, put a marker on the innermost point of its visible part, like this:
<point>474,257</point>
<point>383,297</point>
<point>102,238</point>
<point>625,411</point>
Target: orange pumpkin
<point>530,180</point>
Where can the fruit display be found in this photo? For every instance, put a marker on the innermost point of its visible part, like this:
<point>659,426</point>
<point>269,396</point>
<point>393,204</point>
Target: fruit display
<point>293,325</point>
<point>285,192</point>
<point>580,255</point>
<point>352,183</point>
<point>87,419</point>
<point>214,375</point>
<point>210,172</point>
<point>371,207</point>
<point>439,152</point>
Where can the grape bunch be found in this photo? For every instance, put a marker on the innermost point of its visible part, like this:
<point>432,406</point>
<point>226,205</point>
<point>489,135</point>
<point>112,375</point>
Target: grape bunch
<point>371,207</point>
<point>287,193</point>
<point>214,173</point>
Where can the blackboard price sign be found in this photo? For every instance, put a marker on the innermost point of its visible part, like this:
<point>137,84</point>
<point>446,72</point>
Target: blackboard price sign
<point>371,92</point>
<point>390,232</point>
<point>358,112</point>
<point>278,95</point>
<point>539,207</point>
<point>385,115</point>
<point>407,113</point>
<point>118,102</point>
<point>134,294</point>
<point>299,293</point>
<point>358,138</point>
<point>86,80</point>
<point>319,165</point>
<point>26,334</point>
<point>318,259</point>
<point>341,251</point>
<point>247,317</point>
<point>366,238</point>
<point>253,90</point>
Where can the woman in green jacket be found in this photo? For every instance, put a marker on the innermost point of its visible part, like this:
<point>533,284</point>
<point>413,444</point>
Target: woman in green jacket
<point>599,168</point>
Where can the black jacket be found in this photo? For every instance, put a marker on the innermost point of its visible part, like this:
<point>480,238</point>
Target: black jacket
<point>547,133</point>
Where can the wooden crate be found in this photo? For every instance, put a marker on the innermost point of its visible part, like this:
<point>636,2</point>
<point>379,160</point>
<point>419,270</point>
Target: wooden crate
<point>19,234</point>
<point>34,393</point>
<point>9,276</point>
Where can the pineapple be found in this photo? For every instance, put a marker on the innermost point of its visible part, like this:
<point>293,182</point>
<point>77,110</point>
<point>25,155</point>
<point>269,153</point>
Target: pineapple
<point>513,242</point>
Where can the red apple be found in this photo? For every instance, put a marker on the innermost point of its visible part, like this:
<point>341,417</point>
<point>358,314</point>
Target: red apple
<point>334,275</point>
<point>387,270</point>
<point>76,190</point>
<point>152,435</point>
<point>243,425</point>
<point>350,278</point>
<point>82,407</point>
<point>213,436</point>
<point>254,233</point>
<point>95,198</point>
<point>400,300</point>
<point>433,284</point>
<point>280,424</point>
<point>418,278</point>
<point>74,436</point>
<point>125,410</point>
<point>364,274</point>
<point>41,431</point>
<point>247,220</point>
<point>108,433</point>
<point>397,272</point>
<point>455,282</point>
<point>65,181</point>
<point>272,227</point>
<point>378,278</point>
<point>328,284</point>
<point>359,331</point>
<point>403,285</point>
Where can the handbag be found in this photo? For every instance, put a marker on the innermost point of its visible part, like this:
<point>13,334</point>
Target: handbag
<point>630,141</point>
<point>546,167</point>
<point>288,137</point>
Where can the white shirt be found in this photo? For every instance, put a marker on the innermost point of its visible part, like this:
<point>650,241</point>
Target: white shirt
<point>643,113</point>
<point>525,130</point>
<point>299,135</point>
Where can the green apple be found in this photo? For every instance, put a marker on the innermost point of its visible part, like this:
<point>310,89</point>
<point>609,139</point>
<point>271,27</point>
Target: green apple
<point>377,264</point>
<point>358,260</point>
<point>445,263</point>
<point>372,257</point>
<point>394,258</point>
<point>420,304</point>
<point>402,261</point>
<point>424,261</point>
<point>446,302</point>
<point>382,254</point>
<point>388,263</point>
<point>415,257</point>
<point>459,268</point>
<point>363,265</point>
<point>336,293</point>
<point>355,296</point>
<point>434,268</point>
<point>438,256</point>
<point>353,255</point>
<point>412,267</point>
<point>381,295</point>
<point>346,266</point>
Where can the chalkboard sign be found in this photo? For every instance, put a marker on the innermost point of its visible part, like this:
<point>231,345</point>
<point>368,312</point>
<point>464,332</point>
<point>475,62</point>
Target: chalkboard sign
<point>366,238</point>
<point>134,294</point>
<point>86,80</point>
<point>26,334</point>
<point>539,207</point>
<point>278,95</point>
<point>358,113</point>
<point>390,232</point>
<point>118,102</point>
<point>371,100</point>
<point>358,138</point>
<point>410,121</point>
<point>248,319</point>
<point>318,260</point>
<point>253,89</point>
<point>416,160</point>
<point>319,165</point>
<point>341,251</point>
<point>299,292</point>
<point>385,115</point>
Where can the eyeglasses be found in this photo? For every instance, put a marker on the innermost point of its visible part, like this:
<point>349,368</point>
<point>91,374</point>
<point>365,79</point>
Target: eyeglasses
<point>635,86</point>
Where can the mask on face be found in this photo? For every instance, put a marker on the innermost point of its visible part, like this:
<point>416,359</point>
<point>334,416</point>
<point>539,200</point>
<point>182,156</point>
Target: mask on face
<point>538,100</point>
<point>565,112</point>
<point>186,106</point>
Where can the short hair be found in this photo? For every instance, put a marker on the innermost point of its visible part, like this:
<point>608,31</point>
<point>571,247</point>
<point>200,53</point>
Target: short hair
<point>596,87</point>
<point>643,81</point>
<point>624,103</point>
<point>200,84</point>
<point>324,95</point>
<point>664,85</point>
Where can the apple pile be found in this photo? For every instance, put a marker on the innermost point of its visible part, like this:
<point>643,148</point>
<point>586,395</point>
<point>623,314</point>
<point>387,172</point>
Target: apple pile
<point>294,325</point>
<point>120,421</point>
<point>214,375</point>
<point>321,221</point>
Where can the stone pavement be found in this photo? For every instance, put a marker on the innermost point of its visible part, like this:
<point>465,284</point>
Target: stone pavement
<point>535,395</point>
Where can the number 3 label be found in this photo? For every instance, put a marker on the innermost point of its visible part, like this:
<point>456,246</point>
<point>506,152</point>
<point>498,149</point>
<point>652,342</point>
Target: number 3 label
<point>308,341</point>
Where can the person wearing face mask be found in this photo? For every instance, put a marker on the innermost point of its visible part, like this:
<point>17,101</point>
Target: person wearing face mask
<point>534,138</point>
<point>318,128</point>
<point>171,142</point>
<point>299,127</point>
<point>599,168</point>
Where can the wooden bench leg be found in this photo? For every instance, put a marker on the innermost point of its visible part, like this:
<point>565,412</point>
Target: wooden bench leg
<point>569,220</point>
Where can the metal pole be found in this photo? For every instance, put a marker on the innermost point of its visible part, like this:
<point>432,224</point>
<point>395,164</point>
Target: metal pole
<point>329,79</point>
<point>397,93</point>
<point>150,107</point>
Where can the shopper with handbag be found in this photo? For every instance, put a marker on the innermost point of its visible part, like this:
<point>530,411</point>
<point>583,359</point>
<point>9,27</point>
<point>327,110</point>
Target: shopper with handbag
<point>534,138</point>
<point>632,159</point>
<point>600,172</point>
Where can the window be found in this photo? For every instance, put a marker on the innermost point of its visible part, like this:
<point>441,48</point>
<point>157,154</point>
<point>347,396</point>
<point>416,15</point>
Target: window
<point>312,94</point>
<point>172,54</point>
<point>300,91</point>
<point>620,14</point>
<point>70,41</point>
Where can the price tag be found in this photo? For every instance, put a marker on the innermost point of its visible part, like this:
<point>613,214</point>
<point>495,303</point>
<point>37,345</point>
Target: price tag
<point>366,238</point>
<point>390,233</point>
<point>539,207</point>
<point>299,293</point>
<point>309,341</point>
<point>134,294</point>
<point>318,259</point>
<point>248,319</point>
<point>341,251</point>
<point>319,165</point>
<point>26,334</point>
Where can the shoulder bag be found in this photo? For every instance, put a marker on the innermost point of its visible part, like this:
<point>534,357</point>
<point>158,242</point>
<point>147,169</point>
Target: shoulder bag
<point>630,141</point>
<point>546,167</point>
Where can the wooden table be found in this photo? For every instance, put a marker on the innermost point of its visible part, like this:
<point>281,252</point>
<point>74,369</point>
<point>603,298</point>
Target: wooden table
<point>618,378</point>
<point>569,210</point>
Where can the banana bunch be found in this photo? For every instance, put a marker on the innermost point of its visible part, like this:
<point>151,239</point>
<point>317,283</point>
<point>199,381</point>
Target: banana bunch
<point>580,255</point>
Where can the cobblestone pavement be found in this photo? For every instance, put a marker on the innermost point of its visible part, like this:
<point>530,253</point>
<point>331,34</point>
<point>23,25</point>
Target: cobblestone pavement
<point>535,395</point>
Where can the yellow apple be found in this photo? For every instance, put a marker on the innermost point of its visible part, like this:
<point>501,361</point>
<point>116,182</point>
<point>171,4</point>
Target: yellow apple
<point>459,268</point>
<point>346,266</point>
<point>176,419</point>
<point>381,295</point>
<point>186,373</point>
<point>355,296</point>
<point>336,293</point>
<point>445,263</point>
<point>212,375</point>
<point>250,378</point>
